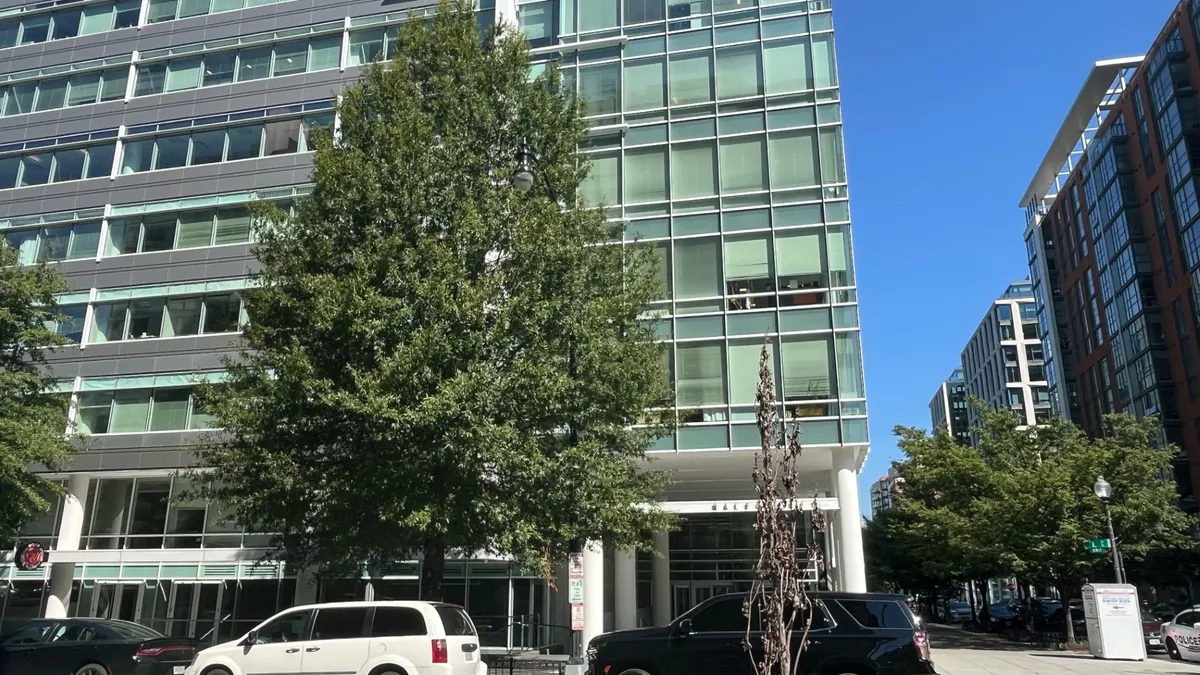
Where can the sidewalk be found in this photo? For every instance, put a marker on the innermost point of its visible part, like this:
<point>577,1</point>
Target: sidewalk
<point>958,652</point>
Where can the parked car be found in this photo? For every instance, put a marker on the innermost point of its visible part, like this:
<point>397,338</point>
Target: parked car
<point>92,647</point>
<point>958,612</point>
<point>1152,632</point>
<point>1165,612</point>
<point>1004,616</point>
<point>382,638</point>
<point>850,633</point>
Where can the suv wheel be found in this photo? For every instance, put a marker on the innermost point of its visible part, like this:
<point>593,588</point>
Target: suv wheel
<point>633,671</point>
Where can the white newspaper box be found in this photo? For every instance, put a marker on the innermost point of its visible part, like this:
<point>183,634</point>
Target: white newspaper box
<point>1114,622</point>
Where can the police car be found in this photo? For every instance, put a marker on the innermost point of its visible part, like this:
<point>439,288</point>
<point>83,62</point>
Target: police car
<point>1182,635</point>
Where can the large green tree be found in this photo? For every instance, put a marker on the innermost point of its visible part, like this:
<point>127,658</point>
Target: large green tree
<point>435,360</point>
<point>1022,502</point>
<point>32,418</point>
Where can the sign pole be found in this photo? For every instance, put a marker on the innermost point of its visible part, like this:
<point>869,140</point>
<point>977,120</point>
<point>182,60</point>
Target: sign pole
<point>576,663</point>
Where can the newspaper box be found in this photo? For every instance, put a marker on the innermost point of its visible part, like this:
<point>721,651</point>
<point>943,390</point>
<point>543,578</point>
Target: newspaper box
<point>1114,622</point>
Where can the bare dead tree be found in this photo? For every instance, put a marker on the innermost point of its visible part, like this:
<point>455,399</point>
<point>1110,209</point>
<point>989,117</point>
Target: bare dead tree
<point>778,598</point>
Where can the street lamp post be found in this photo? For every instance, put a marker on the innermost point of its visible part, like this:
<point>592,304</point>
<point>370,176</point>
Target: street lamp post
<point>1104,491</point>
<point>523,178</point>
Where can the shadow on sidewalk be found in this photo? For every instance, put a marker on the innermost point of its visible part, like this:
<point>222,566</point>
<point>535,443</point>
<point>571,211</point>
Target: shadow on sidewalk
<point>945,637</point>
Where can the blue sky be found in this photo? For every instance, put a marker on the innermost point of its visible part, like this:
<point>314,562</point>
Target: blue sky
<point>949,107</point>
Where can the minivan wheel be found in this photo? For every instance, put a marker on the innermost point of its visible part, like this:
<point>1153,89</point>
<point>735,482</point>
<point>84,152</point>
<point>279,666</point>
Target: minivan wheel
<point>92,669</point>
<point>216,671</point>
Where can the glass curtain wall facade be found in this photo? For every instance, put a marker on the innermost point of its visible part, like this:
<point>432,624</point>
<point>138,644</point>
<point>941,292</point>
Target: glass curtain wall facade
<point>717,135</point>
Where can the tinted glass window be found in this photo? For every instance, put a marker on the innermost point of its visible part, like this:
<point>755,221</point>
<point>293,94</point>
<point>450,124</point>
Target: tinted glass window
<point>126,629</point>
<point>397,621</point>
<point>28,634</point>
<point>72,632</point>
<point>455,620</point>
<point>339,623</point>
<point>288,628</point>
<point>721,616</point>
<point>876,613</point>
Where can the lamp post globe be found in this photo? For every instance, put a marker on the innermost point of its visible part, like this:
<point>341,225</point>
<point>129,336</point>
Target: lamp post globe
<point>1102,489</point>
<point>523,177</point>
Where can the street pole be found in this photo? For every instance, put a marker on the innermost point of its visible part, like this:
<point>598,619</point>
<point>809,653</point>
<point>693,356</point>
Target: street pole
<point>1112,539</point>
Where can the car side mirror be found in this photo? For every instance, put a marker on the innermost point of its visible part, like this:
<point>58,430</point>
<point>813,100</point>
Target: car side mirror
<point>1196,625</point>
<point>251,638</point>
<point>683,628</point>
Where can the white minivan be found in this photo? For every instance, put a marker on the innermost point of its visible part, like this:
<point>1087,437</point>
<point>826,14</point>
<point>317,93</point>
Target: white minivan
<point>354,638</point>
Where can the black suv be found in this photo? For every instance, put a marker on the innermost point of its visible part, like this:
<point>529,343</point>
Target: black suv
<point>851,634</point>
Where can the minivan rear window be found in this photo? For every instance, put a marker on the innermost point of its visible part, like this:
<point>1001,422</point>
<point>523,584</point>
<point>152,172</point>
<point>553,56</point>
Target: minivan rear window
<point>455,620</point>
<point>877,613</point>
<point>397,622</point>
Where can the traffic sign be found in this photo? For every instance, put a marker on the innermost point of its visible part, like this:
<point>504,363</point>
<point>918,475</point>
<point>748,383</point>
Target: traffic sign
<point>575,594</point>
<point>1097,545</point>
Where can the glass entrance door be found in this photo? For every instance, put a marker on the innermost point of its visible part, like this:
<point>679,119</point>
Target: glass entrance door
<point>193,610</point>
<point>691,594</point>
<point>117,601</point>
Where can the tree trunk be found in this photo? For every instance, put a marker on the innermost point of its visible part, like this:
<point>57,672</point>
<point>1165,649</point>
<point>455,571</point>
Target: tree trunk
<point>433,569</point>
<point>985,606</point>
<point>1065,594</point>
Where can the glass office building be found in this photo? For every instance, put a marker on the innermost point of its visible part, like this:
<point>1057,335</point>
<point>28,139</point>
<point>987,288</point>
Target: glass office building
<point>133,135</point>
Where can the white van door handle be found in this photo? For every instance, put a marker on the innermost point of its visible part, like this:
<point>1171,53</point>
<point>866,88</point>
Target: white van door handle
<point>313,649</point>
<point>293,650</point>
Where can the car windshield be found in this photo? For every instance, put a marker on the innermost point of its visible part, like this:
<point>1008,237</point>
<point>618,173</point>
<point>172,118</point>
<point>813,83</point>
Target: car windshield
<point>959,605</point>
<point>1148,617</point>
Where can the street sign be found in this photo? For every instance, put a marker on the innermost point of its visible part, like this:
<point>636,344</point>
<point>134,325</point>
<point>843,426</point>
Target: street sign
<point>575,566</point>
<point>1097,545</point>
<point>575,591</point>
<point>577,616</point>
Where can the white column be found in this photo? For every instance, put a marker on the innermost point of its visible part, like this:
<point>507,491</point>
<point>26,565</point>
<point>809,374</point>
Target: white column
<point>306,588</point>
<point>849,524</point>
<point>506,12</point>
<point>593,591</point>
<point>660,581</point>
<point>70,527</point>
<point>624,590</point>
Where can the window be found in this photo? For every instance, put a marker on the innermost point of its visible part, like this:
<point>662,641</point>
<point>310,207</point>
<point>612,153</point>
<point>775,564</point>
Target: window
<point>339,623</point>
<point>787,66</point>
<point>641,11</point>
<point>397,622</point>
<point>187,229</point>
<point>222,144</point>
<point>291,627</point>
<point>1010,354</point>
<point>722,616</point>
<point>455,621</point>
<point>254,63</point>
<point>598,14</point>
<point>39,168</point>
<point>30,633</point>
<point>600,89</point>
<point>698,268</point>
<point>694,170</point>
<point>700,370</point>
<point>743,164</point>
<point>808,369</point>
<point>1016,398</point>
<point>63,242</point>
<point>739,72</point>
<point>1030,330</point>
<point>794,159</point>
<point>877,614</point>
<point>691,78</point>
<point>646,175</point>
<point>748,265</point>
<point>162,317</point>
<point>72,632</point>
<point>798,260</point>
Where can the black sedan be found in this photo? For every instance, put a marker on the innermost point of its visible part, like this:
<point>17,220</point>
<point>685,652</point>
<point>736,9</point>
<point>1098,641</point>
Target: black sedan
<point>92,647</point>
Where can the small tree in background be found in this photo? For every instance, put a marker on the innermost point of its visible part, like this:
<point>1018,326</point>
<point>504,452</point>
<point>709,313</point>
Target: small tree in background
<point>32,418</point>
<point>778,598</point>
